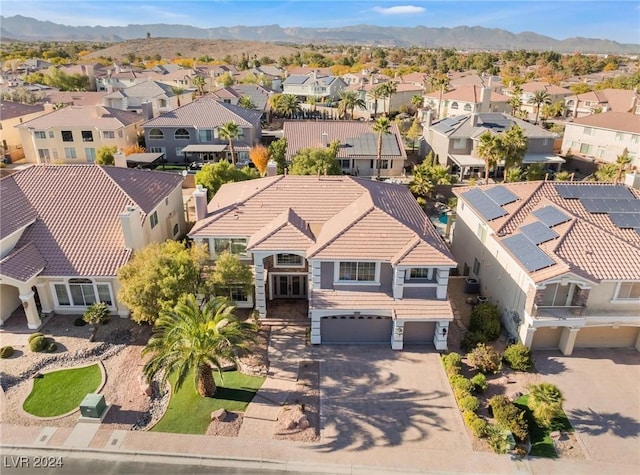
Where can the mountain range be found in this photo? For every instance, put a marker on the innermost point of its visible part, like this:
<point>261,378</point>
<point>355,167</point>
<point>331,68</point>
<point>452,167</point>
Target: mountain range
<point>462,37</point>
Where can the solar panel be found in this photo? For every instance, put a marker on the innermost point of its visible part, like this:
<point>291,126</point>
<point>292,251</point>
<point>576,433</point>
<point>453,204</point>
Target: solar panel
<point>625,220</point>
<point>601,205</point>
<point>483,204</point>
<point>551,216</point>
<point>529,255</point>
<point>296,79</point>
<point>367,144</point>
<point>501,195</point>
<point>538,232</point>
<point>574,191</point>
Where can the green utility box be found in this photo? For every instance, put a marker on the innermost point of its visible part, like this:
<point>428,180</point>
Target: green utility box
<point>93,405</point>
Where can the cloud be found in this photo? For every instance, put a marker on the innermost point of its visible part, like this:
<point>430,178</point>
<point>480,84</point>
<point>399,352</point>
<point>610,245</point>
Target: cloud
<point>399,10</point>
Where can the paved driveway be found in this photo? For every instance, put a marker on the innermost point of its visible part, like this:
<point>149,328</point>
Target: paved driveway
<point>373,397</point>
<point>602,392</point>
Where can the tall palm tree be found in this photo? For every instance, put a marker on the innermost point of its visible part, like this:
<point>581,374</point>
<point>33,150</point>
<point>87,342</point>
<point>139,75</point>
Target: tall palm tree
<point>516,100</point>
<point>441,83</point>
<point>539,99</point>
<point>199,82</point>
<point>440,175</point>
<point>545,400</point>
<point>349,100</point>
<point>381,126</point>
<point>375,94</point>
<point>488,149</point>
<point>622,161</point>
<point>389,88</point>
<point>417,101</point>
<point>288,105</point>
<point>246,102</point>
<point>193,339</point>
<point>177,91</point>
<point>230,131</point>
<point>513,147</point>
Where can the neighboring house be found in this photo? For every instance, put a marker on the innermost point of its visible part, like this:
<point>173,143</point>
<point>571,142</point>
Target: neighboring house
<point>73,98</point>
<point>158,96</point>
<point>462,79</point>
<point>67,229</point>
<point>73,134</point>
<point>560,260</point>
<point>90,70</point>
<point>604,100</point>
<point>267,76</point>
<point>116,79</point>
<point>190,132</point>
<point>602,137</point>
<point>358,145</point>
<point>466,100</point>
<point>12,114</point>
<point>313,85</point>
<point>556,93</point>
<point>259,95</point>
<point>361,252</point>
<point>454,141</point>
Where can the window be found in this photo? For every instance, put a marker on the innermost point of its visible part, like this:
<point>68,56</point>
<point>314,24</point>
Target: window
<point>55,153</point>
<point>585,149</point>
<point>156,149</point>
<point>182,134</point>
<point>454,105</point>
<point>82,293</point>
<point>153,219</point>
<point>43,153</point>
<point>476,267</point>
<point>587,131</point>
<point>346,163</point>
<point>357,271</point>
<point>162,102</point>
<point>51,134</point>
<point>628,291</point>
<point>179,151</point>
<point>120,134</point>
<point>420,273</point>
<point>236,293</point>
<point>70,152</point>
<point>600,153</point>
<point>467,108</point>
<point>385,164</point>
<point>67,136</point>
<point>87,136</point>
<point>289,260</point>
<point>619,136</point>
<point>482,232</point>
<point>90,153</point>
<point>207,135</point>
<point>176,229</point>
<point>104,293</point>
<point>156,134</point>
<point>62,295</point>
<point>459,143</point>
<point>635,139</point>
<point>40,134</point>
<point>236,246</point>
<point>108,134</point>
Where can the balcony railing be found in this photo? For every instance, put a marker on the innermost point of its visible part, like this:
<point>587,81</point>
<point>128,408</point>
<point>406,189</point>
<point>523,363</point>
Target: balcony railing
<point>559,313</point>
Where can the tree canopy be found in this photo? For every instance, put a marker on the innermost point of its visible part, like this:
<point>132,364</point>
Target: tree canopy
<point>105,155</point>
<point>277,153</point>
<point>260,157</point>
<point>316,161</point>
<point>213,175</point>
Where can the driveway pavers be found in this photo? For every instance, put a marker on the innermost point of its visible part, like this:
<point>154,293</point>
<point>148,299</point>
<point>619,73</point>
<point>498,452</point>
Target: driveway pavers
<point>602,392</point>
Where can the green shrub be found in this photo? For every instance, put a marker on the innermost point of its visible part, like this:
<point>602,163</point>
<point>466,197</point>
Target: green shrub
<point>461,386</point>
<point>472,339</point>
<point>38,344</point>
<point>476,423</point>
<point>469,403</point>
<point>52,347</point>
<point>479,382</point>
<point>6,352</point>
<point>501,440</point>
<point>79,322</point>
<point>485,359</point>
<point>452,363</point>
<point>518,357</point>
<point>33,336</point>
<point>509,416</point>
<point>485,318</point>
<point>545,401</point>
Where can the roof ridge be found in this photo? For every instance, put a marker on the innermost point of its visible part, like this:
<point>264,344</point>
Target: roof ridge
<point>103,170</point>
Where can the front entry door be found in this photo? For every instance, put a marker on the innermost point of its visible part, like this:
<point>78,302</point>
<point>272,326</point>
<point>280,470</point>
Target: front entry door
<point>290,286</point>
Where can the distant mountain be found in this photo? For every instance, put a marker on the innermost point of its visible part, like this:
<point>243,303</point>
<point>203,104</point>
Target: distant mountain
<point>461,37</point>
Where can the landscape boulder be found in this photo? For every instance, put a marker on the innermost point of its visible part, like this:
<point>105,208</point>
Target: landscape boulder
<point>219,415</point>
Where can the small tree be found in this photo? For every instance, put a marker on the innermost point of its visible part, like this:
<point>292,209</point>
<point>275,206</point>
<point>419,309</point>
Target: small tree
<point>96,315</point>
<point>104,155</point>
<point>485,359</point>
<point>545,401</point>
<point>277,153</point>
<point>314,161</point>
<point>213,175</point>
<point>414,133</point>
<point>230,272</point>
<point>134,149</point>
<point>260,157</point>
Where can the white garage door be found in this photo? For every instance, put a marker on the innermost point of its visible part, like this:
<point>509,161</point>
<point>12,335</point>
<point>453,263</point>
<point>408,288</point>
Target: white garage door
<point>546,338</point>
<point>605,337</point>
<point>419,332</point>
<point>356,329</point>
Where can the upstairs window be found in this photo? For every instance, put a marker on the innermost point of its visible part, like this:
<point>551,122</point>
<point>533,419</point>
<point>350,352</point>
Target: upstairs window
<point>156,134</point>
<point>182,134</point>
<point>40,134</point>
<point>357,272</point>
<point>207,135</point>
<point>153,219</point>
<point>236,246</point>
<point>454,105</point>
<point>87,136</point>
<point>467,108</point>
<point>108,134</point>
<point>588,131</point>
<point>289,260</point>
<point>628,291</point>
<point>67,136</point>
<point>421,273</point>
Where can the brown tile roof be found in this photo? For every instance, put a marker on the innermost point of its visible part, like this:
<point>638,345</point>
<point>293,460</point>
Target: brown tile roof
<point>286,232</point>
<point>472,94</point>
<point>623,121</point>
<point>78,230</point>
<point>23,263</point>
<point>77,98</point>
<point>77,116</point>
<point>15,209</point>
<point>11,110</point>
<point>552,89</point>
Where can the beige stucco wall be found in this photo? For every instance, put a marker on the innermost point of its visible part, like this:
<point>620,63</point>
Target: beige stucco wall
<point>546,338</point>
<point>601,295</point>
<point>9,301</point>
<point>11,135</point>
<point>604,145</point>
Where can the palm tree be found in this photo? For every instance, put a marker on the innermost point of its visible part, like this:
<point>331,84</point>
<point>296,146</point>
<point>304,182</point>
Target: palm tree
<point>349,100</point>
<point>440,175</point>
<point>513,174</point>
<point>375,94</point>
<point>230,131</point>
<point>513,147</point>
<point>381,126</point>
<point>417,101</point>
<point>489,149</point>
<point>622,161</point>
<point>193,339</point>
<point>539,99</point>
<point>421,184</point>
<point>389,88</point>
<point>246,102</point>
<point>288,105</point>
<point>545,400</point>
<point>177,91</point>
<point>199,82</point>
<point>313,102</point>
<point>516,100</point>
<point>441,83</point>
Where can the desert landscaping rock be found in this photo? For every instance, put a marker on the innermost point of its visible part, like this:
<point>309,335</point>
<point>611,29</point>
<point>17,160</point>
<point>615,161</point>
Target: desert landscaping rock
<point>219,415</point>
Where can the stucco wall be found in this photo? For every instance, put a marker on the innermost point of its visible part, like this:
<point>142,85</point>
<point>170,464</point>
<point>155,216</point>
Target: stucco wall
<point>9,301</point>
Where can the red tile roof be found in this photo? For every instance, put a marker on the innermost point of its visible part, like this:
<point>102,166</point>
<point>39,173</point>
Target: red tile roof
<point>23,263</point>
<point>623,121</point>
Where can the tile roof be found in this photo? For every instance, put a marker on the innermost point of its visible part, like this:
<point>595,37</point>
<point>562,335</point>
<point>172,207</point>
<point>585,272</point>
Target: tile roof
<point>78,230</point>
<point>11,110</point>
<point>145,89</point>
<point>15,209</point>
<point>77,98</point>
<point>98,117</point>
<point>23,263</point>
<point>552,89</point>
<point>623,121</point>
<point>469,93</point>
<point>286,232</point>
<point>462,126</point>
<point>206,113</point>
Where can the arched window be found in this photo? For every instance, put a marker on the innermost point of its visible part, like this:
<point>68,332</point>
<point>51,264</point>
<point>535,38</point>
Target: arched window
<point>156,134</point>
<point>467,107</point>
<point>182,134</point>
<point>454,105</point>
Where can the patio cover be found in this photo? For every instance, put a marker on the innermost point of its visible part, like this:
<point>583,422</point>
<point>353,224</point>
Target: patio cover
<point>203,148</point>
<point>144,158</point>
<point>542,158</point>
<point>467,161</point>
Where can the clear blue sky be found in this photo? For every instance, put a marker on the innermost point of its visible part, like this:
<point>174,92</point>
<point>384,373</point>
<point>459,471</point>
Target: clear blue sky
<point>614,20</point>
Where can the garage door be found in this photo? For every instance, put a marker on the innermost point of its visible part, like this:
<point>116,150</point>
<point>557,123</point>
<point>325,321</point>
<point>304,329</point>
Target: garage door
<point>352,329</point>
<point>606,337</point>
<point>419,332</point>
<point>546,338</point>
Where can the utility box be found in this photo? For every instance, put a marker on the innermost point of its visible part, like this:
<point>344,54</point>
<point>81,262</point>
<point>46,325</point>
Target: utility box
<point>93,406</point>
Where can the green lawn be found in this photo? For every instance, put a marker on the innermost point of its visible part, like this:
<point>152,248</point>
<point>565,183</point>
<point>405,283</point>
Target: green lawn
<point>62,391</point>
<point>190,413</point>
<point>541,444</point>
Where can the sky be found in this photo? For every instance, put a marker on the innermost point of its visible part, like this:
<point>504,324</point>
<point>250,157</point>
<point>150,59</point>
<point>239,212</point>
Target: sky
<point>613,20</point>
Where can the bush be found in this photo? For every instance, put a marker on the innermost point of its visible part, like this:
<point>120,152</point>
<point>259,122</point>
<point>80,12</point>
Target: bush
<point>500,440</point>
<point>518,357</point>
<point>509,416</point>
<point>479,382</point>
<point>461,386</point>
<point>38,344</point>
<point>472,339</point>
<point>33,336</point>
<point>476,423</point>
<point>6,352</point>
<point>469,403</point>
<point>52,347</point>
<point>485,359</point>
<point>452,363</point>
<point>485,318</point>
<point>545,401</point>
<point>79,322</point>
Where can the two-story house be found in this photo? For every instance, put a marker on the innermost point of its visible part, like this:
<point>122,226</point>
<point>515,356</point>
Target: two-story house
<point>73,134</point>
<point>560,260</point>
<point>358,145</point>
<point>554,93</point>
<point>455,140</point>
<point>159,96</point>
<point>259,96</point>
<point>191,132</point>
<point>67,229</point>
<point>466,100</point>
<point>12,114</point>
<point>604,100</point>
<point>602,137</point>
<point>313,85</point>
<point>361,253</point>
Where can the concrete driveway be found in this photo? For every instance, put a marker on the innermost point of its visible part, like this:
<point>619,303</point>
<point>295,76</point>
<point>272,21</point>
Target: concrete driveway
<point>372,398</point>
<point>602,392</point>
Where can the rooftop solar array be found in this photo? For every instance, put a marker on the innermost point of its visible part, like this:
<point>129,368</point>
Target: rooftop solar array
<point>367,144</point>
<point>495,122</point>
<point>296,79</point>
<point>501,195</point>
<point>538,232</point>
<point>600,205</point>
<point>484,205</point>
<point>625,220</point>
<point>527,253</point>
<point>568,191</point>
<point>551,216</point>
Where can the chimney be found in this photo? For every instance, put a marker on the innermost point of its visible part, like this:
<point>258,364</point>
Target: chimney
<point>200,200</point>
<point>147,110</point>
<point>99,110</point>
<point>272,168</point>
<point>325,139</point>
<point>429,118</point>
<point>485,98</point>
<point>120,159</point>
<point>131,228</point>
<point>474,120</point>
